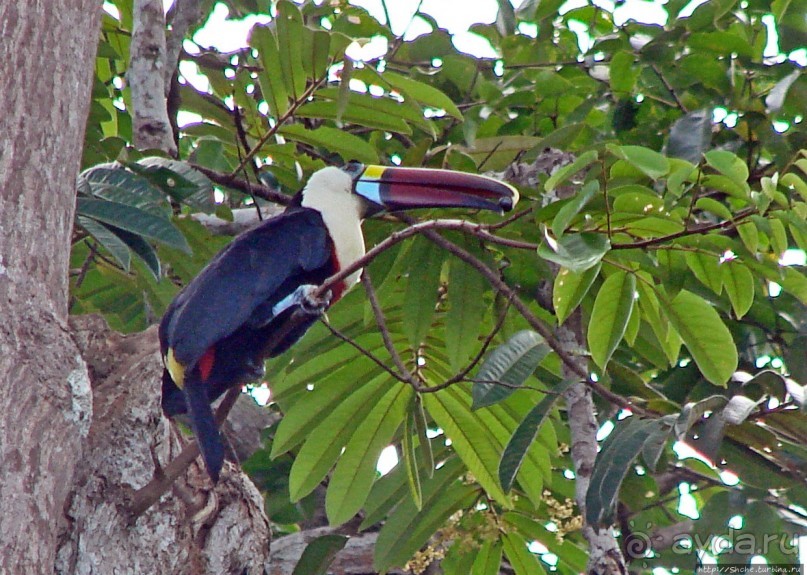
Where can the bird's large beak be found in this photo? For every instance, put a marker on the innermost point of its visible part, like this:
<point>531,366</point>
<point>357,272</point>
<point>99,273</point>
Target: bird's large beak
<point>395,189</point>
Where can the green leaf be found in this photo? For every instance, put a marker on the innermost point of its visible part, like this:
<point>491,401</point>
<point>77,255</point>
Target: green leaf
<point>739,284</point>
<point>712,205</point>
<point>610,316</point>
<point>422,93</point>
<point>347,145</point>
<point>566,172</point>
<point>705,335</point>
<point>650,162</point>
<point>612,465</point>
<point>319,554</point>
<point>623,74</point>
<point>354,113</point>
<point>421,428</point>
<point>576,252</point>
<point>335,383</point>
<point>273,86</point>
<point>489,559</point>
<point>356,469</point>
<point>320,450</point>
<point>407,530</point>
<point>654,446</point>
<point>470,439</point>
<point>569,210</point>
<point>122,186</point>
<point>519,557</point>
<point>420,296</point>
<point>410,435</point>
<point>570,288</point>
<point>111,242</point>
<point>525,434</point>
<point>706,268</point>
<point>133,220</point>
<point>466,307</point>
<point>508,367</point>
<point>691,136</point>
<point>289,30</point>
<point>729,165</point>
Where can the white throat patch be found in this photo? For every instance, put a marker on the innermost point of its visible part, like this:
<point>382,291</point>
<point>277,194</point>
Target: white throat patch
<point>329,192</point>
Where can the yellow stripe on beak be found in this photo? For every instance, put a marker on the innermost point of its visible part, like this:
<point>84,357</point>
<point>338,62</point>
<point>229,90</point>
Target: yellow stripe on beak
<point>175,369</point>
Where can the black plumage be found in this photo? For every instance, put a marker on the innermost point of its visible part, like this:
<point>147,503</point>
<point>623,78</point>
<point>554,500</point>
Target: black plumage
<point>216,329</point>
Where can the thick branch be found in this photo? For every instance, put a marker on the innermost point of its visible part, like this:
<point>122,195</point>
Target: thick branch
<point>183,15</point>
<point>151,127</point>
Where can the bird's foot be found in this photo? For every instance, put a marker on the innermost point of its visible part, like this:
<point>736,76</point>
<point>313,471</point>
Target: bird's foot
<point>305,297</point>
<point>255,369</point>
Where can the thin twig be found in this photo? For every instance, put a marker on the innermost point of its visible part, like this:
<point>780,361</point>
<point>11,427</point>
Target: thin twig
<point>488,340</point>
<point>385,335</point>
<point>497,283</point>
<point>361,349</point>
<point>279,123</point>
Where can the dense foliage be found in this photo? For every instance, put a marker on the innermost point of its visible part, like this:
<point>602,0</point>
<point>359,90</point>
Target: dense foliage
<point>681,185</point>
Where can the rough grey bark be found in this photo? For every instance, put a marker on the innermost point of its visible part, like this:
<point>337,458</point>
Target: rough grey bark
<point>605,556</point>
<point>194,529</point>
<point>80,424</point>
<point>45,407</point>
<point>151,129</point>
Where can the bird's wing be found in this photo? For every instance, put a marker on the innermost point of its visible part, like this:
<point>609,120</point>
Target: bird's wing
<point>243,277</point>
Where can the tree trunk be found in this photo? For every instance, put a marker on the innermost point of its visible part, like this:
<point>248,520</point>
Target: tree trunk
<point>45,407</point>
<point>80,423</point>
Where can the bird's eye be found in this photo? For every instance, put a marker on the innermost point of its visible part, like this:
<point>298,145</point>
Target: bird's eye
<point>353,169</point>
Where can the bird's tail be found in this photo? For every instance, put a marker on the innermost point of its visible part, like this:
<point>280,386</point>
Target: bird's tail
<point>204,427</point>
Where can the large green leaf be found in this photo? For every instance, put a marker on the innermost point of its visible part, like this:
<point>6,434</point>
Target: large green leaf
<point>567,213</point>
<point>471,440</point>
<point>466,306</point>
<point>347,145</point>
<point>407,529</point>
<point>420,299</point>
<point>133,220</point>
<point>111,242</point>
<point>613,462</point>
<point>610,316</point>
<point>289,30</point>
<point>705,335</point>
<point>570,288</point>
<point>507,367</point>
<point>575,252</point>
<point>525,434</point>
<point>273,86</point>
<point>738,282</point>
<point>321,449</point>
<point>523,562</point>
<point>319,554</point>
<point>653,164</point>
<point>354,473</point>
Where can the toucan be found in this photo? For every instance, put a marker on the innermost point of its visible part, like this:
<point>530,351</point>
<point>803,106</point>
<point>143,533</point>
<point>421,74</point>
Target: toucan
<point>214,333</point>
